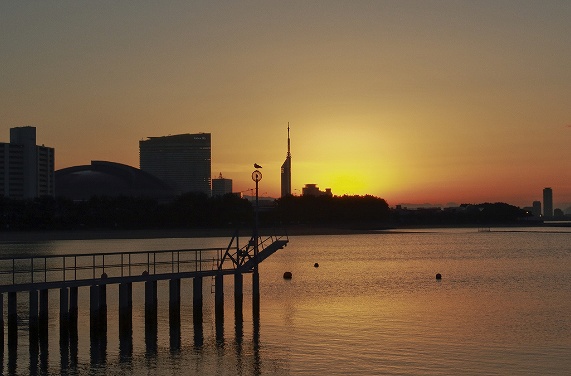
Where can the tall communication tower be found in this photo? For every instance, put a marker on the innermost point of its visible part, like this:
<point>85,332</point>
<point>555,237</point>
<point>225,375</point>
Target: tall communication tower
<point>286,169</point>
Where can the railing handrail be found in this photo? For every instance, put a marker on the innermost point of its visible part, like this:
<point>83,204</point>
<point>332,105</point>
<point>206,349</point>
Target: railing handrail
<point>36,270</point>
<point>112,253</point>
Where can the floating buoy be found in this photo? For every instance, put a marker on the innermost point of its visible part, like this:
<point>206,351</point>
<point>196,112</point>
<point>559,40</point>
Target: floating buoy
<point>438,276</point>
<point>316,265</point>
<point>287,275</point>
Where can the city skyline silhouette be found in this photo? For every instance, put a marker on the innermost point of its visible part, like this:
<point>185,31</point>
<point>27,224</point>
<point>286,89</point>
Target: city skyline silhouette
<point>412,102</point>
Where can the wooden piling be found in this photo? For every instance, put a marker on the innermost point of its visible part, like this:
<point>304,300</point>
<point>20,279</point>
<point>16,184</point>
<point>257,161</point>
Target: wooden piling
<point>2,324</point>
<point>125,321</point>
<point>12,320</point>
<point>197,300</point>
<point>151,326</point>
<point>219,307</point>
<point>256,294</point>
<point>238,296</point>
<point>103,309</point>
<point>64,318</point>
<point>174,314</point>
<point>34,309</point>
<point>73,305</point>
<point>43,316</point>
<point>94,310</point>
<point>125,307</point>
<point>197,311</point>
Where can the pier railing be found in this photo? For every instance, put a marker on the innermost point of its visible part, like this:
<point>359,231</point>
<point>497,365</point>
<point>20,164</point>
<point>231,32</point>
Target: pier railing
<point>32,270</point>
<point>52,271</point>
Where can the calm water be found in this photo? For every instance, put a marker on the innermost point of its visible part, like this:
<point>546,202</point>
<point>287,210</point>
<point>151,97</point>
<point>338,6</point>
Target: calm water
<point>372,307</point>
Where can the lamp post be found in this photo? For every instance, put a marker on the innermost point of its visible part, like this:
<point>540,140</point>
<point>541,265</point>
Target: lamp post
<point>256,177</point>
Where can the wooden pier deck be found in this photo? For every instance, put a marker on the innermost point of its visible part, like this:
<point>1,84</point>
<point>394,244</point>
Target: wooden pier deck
<point>37,275</point>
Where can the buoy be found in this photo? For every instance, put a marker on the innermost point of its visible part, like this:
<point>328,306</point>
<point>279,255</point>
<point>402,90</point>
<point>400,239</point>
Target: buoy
<point>438,276</point>
<point>316,265</point>
<point>287,275</point>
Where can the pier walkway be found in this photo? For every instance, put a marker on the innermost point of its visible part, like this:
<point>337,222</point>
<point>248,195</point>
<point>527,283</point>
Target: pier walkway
<point>37,275</point>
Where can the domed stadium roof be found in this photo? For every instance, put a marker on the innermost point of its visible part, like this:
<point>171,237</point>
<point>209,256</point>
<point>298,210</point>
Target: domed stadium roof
<point>109,179</point>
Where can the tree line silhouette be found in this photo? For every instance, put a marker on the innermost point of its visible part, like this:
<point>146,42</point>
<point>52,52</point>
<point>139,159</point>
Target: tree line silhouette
<point>196,210</point>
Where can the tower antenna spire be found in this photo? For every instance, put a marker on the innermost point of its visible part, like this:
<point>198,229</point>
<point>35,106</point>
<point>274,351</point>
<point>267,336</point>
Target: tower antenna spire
<point>288,142</point>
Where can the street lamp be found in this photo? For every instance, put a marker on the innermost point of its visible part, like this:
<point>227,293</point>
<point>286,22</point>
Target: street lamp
<point>256,177</point>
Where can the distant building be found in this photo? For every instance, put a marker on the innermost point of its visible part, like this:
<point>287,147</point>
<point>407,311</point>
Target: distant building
<point>286,170</point>
<point>109,179</point>
<point>221,186</point>
<point>182,161</point>
<point>313,190</point>
<point>547,202</point>
<point>26,170</point>
<point>536,209</point>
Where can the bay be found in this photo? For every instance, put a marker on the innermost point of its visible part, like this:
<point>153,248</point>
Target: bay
<point>373,306</point>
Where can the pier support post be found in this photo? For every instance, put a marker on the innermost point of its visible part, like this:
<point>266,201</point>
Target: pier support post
<point>256,294</point>
<point>125,320</point>
<point>2,324</point>
<point>151,302</point>
<point>34,334</point>
<point>219,295</point>
<point>33,316</point>
<point>197,311</point>
<point>73,317</point>
<point>238,305</point>
<point>219,306</point>
<point>73,305</point>
<point>12,320</point>
<point>125,307</point>
<point>103,309</point>
<point>197,299</point>
<point>63,309</point>
<point>174,313</point>
<point>238,296</point>
<point>64,327</point>
<point>43,319</point>
<point>94,311</point>
<point>151,316</point>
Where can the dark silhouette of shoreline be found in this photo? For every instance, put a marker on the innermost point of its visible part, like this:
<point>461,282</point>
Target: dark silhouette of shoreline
<point>196,215</point>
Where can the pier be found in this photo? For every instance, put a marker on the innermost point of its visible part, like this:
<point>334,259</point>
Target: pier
<point>68,275</point>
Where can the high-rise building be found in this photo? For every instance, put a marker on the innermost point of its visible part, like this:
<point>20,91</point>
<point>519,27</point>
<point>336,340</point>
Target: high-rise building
<point>547,202</point>
<point>221,186</point>
<point>536,209</point>
<point>26,169</point>
<point>286,169</point>
<point>183,161</point>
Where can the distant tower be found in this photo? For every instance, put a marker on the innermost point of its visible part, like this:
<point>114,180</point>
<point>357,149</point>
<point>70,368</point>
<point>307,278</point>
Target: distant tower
<point>286,169</point>
<point>547,202</point>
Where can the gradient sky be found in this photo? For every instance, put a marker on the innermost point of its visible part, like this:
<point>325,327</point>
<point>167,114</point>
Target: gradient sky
<point>411,101</point>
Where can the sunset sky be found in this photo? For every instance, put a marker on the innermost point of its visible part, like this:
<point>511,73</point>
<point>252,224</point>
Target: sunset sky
<point>411,101</point>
